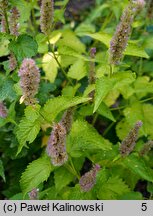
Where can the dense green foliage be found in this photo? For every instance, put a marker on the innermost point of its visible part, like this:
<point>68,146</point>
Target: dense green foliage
<point>104,111</point>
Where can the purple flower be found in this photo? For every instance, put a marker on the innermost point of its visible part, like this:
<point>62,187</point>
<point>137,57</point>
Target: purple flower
<point>3,110</point>
<point>121,36</point>
<point>67,119</point>
<point>146,148</point>
<point>33,195</point>
<point>88,180</point>
<point>56,145</point>
<point>29,80</point>
<point>46,18</point>
<point>129,142</point>
<point>3,11</point>
<point>12,62</point>
<point>119,41</point>
<point>14,25</point>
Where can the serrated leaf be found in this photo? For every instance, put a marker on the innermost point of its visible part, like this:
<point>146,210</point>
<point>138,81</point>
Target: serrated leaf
<point>24,47</point>
<point>78,70</point>
<point>36,172</point>
<point>70,40</point>
<point>50,66</point>
<point>105,111</point>
<point>83,139</point>
<point>62,178</point>
<point>144,112</point>
<point>42,43</point>
<point>28,127</point>
<point>74,193</point>
<point>122,129</point>
<point>106,84</point>
<point>7,90</point>
<point>54,106</point>
<point>2,174</point>
<point>4,47</point>
<point>109,188</point>
<point>138,166</point>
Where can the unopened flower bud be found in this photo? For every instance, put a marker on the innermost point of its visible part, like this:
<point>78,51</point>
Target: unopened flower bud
<point>29,80</point>
<point>88,180</point>
<point>129,142</point>
<point>46,18</point>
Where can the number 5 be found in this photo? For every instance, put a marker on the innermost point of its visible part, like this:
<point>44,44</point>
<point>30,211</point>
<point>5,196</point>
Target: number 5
<point>144,207</point>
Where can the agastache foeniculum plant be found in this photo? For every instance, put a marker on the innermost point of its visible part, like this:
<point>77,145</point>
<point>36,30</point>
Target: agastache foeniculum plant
<point>128,144</point>
<point>88,180</point>
<point>56,147</point>
<point>29,80</point>
<point>47,16</point>
<point>120,39</point>
<point>3,110</point>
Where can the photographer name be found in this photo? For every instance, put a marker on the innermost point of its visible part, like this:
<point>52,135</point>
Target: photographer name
<point>61,207</point>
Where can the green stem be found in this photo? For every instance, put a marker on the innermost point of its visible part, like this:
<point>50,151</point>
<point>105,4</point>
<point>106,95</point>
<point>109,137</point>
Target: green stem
<point>56,59</point>
<point>34,20</point>
<point>95,119</point>
<point>107,20</point>
<point>7,24</point>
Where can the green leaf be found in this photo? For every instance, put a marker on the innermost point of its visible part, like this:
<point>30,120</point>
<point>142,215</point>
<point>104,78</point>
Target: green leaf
<point>131,196</point>
<point>24,47</point>
<point>132,48</point>
<point>83,139</point>
<point>54,106</point>
<point>36,172</point>
<point>105,111</point>
<point>4,51</point>
<point>106,84</point>
<point>50,67</point>
<point>70,40</point>
<point>7,90</point>
<point>110,188</point>
<point>78,70</point>
<point>138,166</point>
<point>144,112</point>
<point>2,174</point>
<point>28,127</point>
<point>122,129</point>
<point>62,178</point>
<point>74,193</point>
<point>42,43</point>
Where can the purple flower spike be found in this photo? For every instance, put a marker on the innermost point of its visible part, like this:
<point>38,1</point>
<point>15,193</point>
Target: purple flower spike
<point>3,110</point>
<point>14,25</point>
<point>33,195</point>
<point>56,145</point>
<point>47,14</point>
<point>29,80</point>
<point>88,180</point>
<point>129,142</point>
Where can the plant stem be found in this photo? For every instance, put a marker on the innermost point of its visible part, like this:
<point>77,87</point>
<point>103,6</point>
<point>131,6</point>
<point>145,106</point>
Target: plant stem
<point>56,59</point>
<point>107,20</point>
